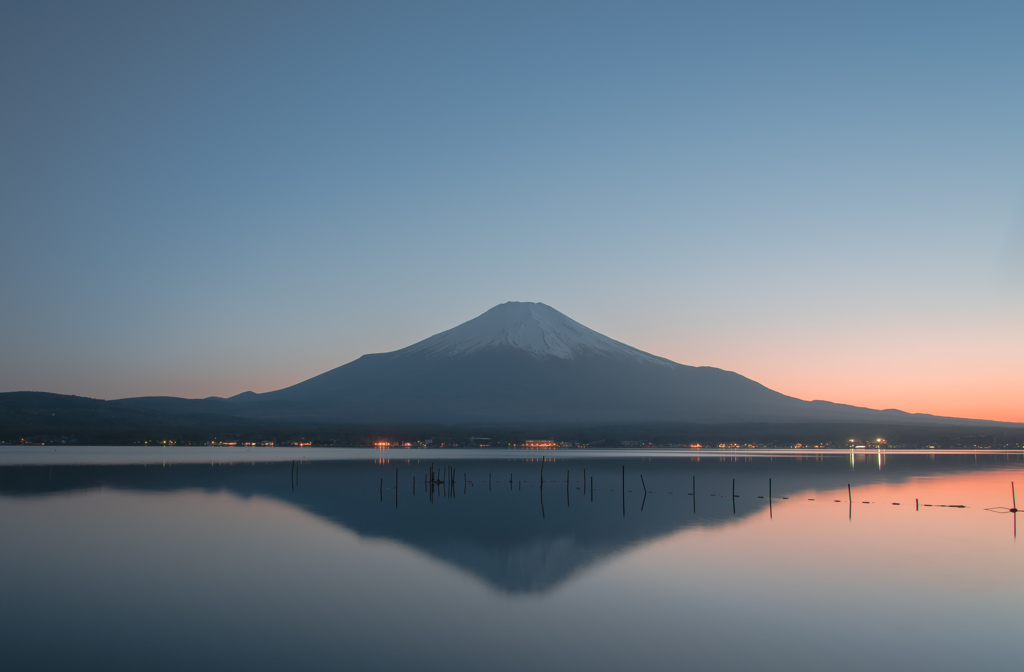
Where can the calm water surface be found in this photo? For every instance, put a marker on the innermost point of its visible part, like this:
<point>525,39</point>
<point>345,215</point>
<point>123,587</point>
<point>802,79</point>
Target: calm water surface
<point>168,559</point>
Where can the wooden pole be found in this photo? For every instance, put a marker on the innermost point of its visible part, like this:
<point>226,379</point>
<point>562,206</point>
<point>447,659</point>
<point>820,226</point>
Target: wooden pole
<point>541,491</point>
<point>643,484</point>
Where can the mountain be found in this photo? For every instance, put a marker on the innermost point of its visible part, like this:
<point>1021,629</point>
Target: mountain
<point>528,364</point>
<point>519,367</point>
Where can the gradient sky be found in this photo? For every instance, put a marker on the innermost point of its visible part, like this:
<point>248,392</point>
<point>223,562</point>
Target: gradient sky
<point>202,198</point>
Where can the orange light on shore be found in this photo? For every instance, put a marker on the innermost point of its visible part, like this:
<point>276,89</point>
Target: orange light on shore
<point>382,444</point>
<point>540,444</point>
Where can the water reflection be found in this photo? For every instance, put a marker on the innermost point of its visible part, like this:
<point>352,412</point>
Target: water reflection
<point>471,563</point>
<point>527,526</point>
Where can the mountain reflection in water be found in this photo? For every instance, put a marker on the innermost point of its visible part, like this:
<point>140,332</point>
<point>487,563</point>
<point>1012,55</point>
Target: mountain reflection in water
<point>495,520</point>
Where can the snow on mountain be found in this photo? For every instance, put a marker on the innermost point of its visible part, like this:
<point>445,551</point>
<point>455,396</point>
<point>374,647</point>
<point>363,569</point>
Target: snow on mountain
<point>534,327</point>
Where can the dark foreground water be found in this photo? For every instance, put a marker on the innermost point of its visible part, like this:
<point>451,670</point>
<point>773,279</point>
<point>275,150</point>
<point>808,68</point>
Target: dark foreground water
<point>233,559</point>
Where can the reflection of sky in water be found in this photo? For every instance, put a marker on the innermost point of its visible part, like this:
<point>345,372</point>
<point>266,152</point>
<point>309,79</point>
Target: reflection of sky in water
<point>227,566</point>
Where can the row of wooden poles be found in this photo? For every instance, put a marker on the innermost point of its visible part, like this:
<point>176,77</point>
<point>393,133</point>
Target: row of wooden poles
<point>446,478</point>
<point>443,482</point>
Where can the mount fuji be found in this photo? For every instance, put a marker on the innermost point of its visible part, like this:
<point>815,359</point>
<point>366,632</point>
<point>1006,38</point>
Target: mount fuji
<point>528,364</point>
<point>519,367</point>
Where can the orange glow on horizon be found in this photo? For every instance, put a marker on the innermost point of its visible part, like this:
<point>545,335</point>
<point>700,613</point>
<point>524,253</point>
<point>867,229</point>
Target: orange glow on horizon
<point>953,371</point>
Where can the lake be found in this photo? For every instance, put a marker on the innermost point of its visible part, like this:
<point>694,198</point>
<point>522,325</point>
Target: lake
<point>288,558</point>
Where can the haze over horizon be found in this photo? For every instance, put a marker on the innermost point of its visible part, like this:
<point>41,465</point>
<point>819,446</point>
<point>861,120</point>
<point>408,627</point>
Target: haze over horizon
<point>201,199</point>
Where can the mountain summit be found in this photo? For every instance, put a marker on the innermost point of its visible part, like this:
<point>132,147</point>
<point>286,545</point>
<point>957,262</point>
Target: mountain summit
<point>535,328</point>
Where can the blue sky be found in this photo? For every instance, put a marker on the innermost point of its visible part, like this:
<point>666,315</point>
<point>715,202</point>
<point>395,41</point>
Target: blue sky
<point>204,198</point>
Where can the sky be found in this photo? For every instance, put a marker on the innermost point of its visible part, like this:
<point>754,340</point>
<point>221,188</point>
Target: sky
<point>203,198</point>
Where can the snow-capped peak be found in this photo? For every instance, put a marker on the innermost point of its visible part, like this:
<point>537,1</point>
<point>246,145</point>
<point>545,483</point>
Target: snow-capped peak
<point>534,327</point>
